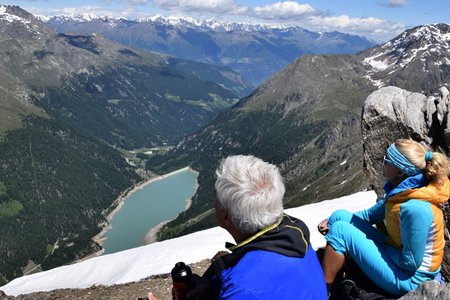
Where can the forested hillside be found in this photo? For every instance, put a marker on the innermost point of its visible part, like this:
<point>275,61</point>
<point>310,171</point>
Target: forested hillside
<point>54,185</point>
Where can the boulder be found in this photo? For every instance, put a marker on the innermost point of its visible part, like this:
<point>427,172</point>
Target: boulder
<point>429,290</point>
<point>390,113</point>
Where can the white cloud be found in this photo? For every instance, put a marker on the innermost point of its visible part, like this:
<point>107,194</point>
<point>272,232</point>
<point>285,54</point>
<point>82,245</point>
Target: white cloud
<point>374,28</point>
<point>284,10</point>
<point>100,11</point>
<point>201,6</point>
<point>134,2</point>
<point>287,13</point>
<point>395,3</point>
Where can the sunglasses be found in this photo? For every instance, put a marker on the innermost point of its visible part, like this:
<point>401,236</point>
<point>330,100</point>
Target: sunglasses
<point>387,161</point>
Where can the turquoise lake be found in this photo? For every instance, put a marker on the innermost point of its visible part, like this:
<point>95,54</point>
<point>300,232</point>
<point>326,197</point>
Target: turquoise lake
<point>156,202</point>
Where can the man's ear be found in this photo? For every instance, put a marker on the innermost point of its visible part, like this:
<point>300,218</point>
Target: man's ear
<point>226,216</point>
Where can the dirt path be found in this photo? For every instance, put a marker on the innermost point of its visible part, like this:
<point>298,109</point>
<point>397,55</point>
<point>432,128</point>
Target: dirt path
<point>160,285</point>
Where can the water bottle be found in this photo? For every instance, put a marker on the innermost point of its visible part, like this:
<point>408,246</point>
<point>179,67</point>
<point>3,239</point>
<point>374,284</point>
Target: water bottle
<point>182,281</point>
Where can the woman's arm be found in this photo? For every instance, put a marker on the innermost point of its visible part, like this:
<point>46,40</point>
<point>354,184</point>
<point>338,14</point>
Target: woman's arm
<point>416,218</point>
<point>373,215</point>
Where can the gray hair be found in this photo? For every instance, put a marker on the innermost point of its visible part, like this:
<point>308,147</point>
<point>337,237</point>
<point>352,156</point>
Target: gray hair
<point>251,190</point>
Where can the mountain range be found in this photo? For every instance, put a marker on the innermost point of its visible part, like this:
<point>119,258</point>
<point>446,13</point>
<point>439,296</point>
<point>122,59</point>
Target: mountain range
<point>254,51</point>
<point>127,97</point>
<point>65,101</point>
<point>307,120</point>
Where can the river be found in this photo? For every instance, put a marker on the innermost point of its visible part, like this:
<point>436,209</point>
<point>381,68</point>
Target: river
<point>160,200</point>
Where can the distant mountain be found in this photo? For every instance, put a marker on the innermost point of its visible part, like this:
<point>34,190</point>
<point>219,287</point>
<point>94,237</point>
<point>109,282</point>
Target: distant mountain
<point>307,118</point>
<point>254,51</point>
<point>417,60</point>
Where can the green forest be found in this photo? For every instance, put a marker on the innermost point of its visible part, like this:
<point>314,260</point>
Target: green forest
<point>54,184</point>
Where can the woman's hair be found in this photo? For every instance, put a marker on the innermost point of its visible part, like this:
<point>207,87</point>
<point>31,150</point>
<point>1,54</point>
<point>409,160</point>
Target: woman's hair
<point>251,190</point>
<point>435,170</point>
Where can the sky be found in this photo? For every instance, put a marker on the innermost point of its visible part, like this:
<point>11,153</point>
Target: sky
<point>379,20</point>
<point>159,258</point>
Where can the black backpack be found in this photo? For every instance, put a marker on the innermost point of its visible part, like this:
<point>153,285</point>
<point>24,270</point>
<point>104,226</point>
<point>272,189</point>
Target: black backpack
<point>352,284</point>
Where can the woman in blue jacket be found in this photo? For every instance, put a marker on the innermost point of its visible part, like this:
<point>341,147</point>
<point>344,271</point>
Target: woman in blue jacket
<point>412,249</point>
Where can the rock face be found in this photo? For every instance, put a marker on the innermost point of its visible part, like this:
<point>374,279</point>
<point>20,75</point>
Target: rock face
<point>430,290</point>
<point>391,113</point>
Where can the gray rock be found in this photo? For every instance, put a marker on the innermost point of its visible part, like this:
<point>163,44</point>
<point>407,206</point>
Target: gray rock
<point>429,290</point>
<point>388,114</point>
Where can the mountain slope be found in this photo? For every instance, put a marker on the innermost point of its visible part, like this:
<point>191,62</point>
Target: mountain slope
<point>15,103</point>
<point>254,51</point>
<point>417,60</point>
<point>127,97</point>
<point>307,120</point>
<point>54,186</point>
<point>54,181</point>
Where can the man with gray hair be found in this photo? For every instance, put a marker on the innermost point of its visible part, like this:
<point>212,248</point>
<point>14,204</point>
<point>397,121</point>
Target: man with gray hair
<point>273,258</point>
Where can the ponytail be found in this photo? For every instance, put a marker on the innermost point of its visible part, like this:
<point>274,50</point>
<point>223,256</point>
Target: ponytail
<point>434,165</point>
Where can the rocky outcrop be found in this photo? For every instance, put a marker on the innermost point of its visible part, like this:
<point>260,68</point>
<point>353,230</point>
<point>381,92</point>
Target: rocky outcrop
<point>391,113</point>
<point>429,290</point>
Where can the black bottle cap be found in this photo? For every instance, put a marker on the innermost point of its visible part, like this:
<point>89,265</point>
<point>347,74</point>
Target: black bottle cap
<point>181,272</point>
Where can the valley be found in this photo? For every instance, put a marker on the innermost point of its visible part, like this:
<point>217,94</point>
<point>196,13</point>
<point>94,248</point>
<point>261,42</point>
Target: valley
<point>84,118</point>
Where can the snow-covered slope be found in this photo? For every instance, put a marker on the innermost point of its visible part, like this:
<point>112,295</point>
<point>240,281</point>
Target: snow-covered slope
<point>138,263</point>
<point>418,50</point>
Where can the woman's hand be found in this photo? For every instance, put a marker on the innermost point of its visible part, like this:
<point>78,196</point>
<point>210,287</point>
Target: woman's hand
<point>323,227</point>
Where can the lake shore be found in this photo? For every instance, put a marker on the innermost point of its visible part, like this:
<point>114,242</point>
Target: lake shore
<point>151,235</point>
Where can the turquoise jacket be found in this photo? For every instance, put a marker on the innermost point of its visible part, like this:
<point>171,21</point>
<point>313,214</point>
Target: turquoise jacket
<point>414,222</point>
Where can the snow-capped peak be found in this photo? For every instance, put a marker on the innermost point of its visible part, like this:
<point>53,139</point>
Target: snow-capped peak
<point>170,21</point>
<point>9,17</point>
<point>416,45</point>
<point>75,17</point>
<point>411,45</point>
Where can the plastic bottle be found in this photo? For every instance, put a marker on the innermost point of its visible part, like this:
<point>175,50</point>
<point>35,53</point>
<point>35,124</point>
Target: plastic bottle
<point>182,281</point>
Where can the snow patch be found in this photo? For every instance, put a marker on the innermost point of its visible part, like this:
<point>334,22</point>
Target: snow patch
<point>376,63</point>
<point>4,15</point>
<point>158,258</point>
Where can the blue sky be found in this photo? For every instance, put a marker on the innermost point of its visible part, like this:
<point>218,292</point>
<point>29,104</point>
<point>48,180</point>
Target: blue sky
<point>379,20</point>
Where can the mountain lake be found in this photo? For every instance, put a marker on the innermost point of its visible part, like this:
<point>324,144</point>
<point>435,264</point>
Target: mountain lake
<point>160,200</point>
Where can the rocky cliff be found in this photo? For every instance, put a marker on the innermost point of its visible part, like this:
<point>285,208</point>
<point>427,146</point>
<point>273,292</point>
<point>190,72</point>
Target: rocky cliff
<point>391,113</point>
